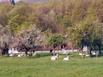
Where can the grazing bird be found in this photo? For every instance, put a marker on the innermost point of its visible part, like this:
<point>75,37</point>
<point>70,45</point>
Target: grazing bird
<point>19,55</point>
<point>80,54</point>
<point>66,58</point>
<point>54,57</point>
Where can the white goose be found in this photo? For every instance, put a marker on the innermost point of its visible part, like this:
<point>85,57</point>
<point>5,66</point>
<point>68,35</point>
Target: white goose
<point>66,58</point>
<point>54,57</point>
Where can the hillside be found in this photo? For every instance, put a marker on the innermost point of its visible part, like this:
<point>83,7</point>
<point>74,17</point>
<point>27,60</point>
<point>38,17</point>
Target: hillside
<point>54,22</point>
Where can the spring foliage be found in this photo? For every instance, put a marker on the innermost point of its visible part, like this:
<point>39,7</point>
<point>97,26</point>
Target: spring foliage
<point>69,18</point>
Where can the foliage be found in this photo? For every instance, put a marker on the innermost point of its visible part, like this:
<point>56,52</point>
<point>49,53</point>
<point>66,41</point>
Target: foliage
<point>69,18</point>
<point>56,40</point>
<point>21,17</point>
<point>4,9</point>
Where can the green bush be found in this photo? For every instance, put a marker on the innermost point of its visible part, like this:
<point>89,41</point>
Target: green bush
<point>56,40</point>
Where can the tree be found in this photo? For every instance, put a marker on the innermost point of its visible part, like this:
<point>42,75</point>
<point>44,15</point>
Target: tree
<point>47,22</point>
<point>56,40</point>
<point>4,9</point>
<point>21,17</point>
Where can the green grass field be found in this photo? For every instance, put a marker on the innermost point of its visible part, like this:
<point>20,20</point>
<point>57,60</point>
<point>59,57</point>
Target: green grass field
<point>44,67</point>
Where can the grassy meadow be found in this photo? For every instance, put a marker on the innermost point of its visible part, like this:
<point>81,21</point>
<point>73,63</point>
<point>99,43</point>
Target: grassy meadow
<point>44,67</point>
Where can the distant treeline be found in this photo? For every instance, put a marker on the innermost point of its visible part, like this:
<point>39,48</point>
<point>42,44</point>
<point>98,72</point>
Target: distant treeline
<point>38,24</point>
